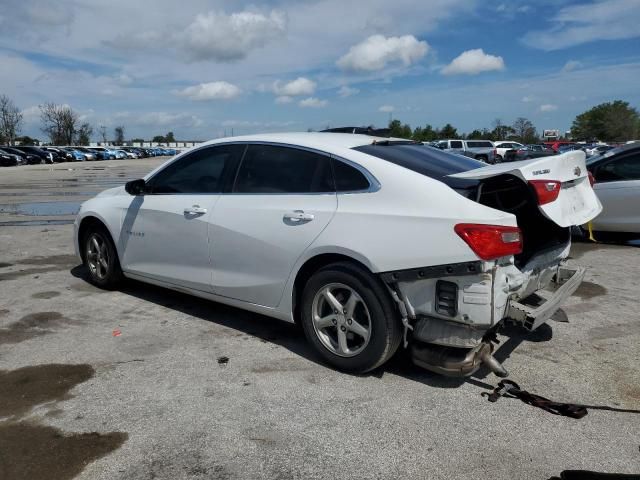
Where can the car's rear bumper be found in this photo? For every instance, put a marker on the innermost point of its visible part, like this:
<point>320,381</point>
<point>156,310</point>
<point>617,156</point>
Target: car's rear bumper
<point>536,309</point>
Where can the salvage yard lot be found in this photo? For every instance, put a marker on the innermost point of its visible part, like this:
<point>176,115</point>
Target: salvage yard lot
<point>177,387</point>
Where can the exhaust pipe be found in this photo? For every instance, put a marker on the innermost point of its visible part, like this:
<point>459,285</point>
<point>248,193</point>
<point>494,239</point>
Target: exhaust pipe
<point>456,362</point>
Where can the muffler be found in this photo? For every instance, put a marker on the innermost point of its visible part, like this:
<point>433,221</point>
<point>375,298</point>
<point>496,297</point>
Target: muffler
<point>456,362</point>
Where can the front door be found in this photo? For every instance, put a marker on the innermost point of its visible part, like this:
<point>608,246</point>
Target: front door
<point>165,232</point>
<point>282,199</point>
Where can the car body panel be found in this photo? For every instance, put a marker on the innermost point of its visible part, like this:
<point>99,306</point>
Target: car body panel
<point>576,203</point>
<point>254,246</point>
<point>620,206</point>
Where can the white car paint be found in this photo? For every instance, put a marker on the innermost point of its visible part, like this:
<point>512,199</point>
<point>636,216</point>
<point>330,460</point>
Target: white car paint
<point>621,206</point>
<point>241,252</point>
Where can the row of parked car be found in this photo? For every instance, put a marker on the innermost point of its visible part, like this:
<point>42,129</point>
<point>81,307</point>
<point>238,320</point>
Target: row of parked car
<point>510,151</point>
<point>11,156</point>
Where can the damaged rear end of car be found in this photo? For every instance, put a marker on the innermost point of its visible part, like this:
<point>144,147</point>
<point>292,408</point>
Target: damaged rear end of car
<point>452,312</point>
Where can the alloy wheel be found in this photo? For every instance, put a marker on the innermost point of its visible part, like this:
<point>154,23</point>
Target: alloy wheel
<point>341,320</point>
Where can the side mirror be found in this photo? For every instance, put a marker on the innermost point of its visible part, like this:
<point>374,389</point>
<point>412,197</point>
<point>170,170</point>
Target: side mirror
<point>135,187</point>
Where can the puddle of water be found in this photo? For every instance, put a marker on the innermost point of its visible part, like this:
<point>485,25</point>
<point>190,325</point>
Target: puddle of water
<point>41,209</point>
<point>26,387</point>
<point>32,326</point>
<point>35,223</point>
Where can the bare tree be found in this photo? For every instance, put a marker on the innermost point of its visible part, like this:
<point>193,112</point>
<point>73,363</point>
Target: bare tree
<point>84,134</point>
<point>118,133</point>
<point>103,134</point>
<point>10,120</point>
<point>59,123</point>
<point>524,130</point>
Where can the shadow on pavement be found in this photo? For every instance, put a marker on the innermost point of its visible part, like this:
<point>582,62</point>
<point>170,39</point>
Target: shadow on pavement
<point>291,337</point>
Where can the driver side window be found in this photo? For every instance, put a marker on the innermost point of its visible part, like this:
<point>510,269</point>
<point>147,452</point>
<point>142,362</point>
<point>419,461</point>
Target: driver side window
<point>202,171</point>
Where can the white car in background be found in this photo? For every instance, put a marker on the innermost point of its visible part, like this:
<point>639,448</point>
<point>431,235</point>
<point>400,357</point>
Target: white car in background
<point>368,242</point>
<point>502,146</point>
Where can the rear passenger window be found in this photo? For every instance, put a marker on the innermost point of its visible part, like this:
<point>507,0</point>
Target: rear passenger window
<point>274,169</point>
<point>626,168</point>
<point>348,178</point>
<point>456,144</point>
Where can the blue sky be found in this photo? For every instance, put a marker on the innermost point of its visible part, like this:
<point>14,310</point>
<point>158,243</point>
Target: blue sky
<point>202,68</point>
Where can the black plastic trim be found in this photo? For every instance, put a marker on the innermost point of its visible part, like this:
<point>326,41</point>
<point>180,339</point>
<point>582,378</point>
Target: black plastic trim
<point>434,271</point>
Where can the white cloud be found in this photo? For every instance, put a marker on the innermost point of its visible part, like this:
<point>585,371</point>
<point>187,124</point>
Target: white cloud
<point>346,91</point>
<point>294,88</point>
<point>377,51</point>
<point>473,62</point>
<point>583,23</point>
<point>283,99</point>
<point>312,102</point>
<point>386,108</point>
<point>548,107</point>
<point>211,91</point>
<point>226,38</point>
<point>156,119</point>
<point>571,65</point>
<point>527,99</point>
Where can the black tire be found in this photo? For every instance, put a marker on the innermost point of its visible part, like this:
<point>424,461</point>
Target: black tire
<point>107,278</point>
<point>385,328</point>
<point>498,159</point>
<point>483,158</point>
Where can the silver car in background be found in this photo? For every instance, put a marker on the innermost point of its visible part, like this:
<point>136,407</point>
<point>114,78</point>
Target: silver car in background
<point>482,150</point>
<point>617,183</point>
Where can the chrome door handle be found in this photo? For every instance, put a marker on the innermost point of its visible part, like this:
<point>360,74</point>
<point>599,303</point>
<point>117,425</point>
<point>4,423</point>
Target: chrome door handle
<point>298,216</point>
<point>195,210</point>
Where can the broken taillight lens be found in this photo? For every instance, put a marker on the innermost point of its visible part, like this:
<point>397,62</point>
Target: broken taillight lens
<point>491,241</point>
<point>546,190</point>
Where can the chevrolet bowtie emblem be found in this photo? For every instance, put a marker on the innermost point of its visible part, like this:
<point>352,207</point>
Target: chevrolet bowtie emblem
<point>577,171</point>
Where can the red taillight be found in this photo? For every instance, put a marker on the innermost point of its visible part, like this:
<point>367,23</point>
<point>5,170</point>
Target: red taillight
<point>491,241</point>
<point>546,190</point>
<point>592,179</point>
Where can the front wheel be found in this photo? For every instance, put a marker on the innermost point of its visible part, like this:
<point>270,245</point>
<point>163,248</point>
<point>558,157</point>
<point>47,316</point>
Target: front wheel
<point>349,318</point>
<point>101,259</point>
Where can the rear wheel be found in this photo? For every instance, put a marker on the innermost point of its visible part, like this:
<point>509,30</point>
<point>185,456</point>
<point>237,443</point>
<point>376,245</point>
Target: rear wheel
<point>101,259</point>
<point>349,318</point>
<point>498,159</point>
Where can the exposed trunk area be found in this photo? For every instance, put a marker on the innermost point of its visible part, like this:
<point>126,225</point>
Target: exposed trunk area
<point>510,194</point>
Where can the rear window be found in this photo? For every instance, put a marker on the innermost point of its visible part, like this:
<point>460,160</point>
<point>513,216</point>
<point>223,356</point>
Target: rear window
<point>422,159</point>
<point>478,144</point>
<point>456,144</point>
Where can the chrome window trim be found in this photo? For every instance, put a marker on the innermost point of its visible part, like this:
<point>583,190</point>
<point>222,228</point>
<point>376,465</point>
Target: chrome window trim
<point>374,184</point>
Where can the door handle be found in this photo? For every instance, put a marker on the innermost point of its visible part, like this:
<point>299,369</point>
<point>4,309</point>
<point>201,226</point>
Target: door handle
<point>298,216</point>
<point>195,210</point>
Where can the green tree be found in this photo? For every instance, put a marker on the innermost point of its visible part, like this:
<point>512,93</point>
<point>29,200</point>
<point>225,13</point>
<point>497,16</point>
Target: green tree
<point>27,140</point>
<point>475,135</point>
<point>137,140</point>
<point>610,122</point>
<point>169,137</point>
<point>159,139</point>
<point>449,131</point>
<point>399,130</point>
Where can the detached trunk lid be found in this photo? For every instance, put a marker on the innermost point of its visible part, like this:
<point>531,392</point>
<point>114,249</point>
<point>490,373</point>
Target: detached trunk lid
<point>576,203</point>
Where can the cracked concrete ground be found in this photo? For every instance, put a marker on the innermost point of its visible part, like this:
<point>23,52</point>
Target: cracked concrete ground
<point>132,385</point>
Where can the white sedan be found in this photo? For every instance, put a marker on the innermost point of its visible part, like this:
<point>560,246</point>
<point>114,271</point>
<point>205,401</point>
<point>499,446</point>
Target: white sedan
<point>368,242</point>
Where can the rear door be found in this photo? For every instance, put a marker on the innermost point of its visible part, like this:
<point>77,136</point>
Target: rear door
<point>618,188</point>
<point>282,199</point>
<point>576,202</point>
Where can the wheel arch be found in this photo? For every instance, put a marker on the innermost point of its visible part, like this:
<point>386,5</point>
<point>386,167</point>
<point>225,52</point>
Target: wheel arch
<point>85,224</point>
<point>312,265</point>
